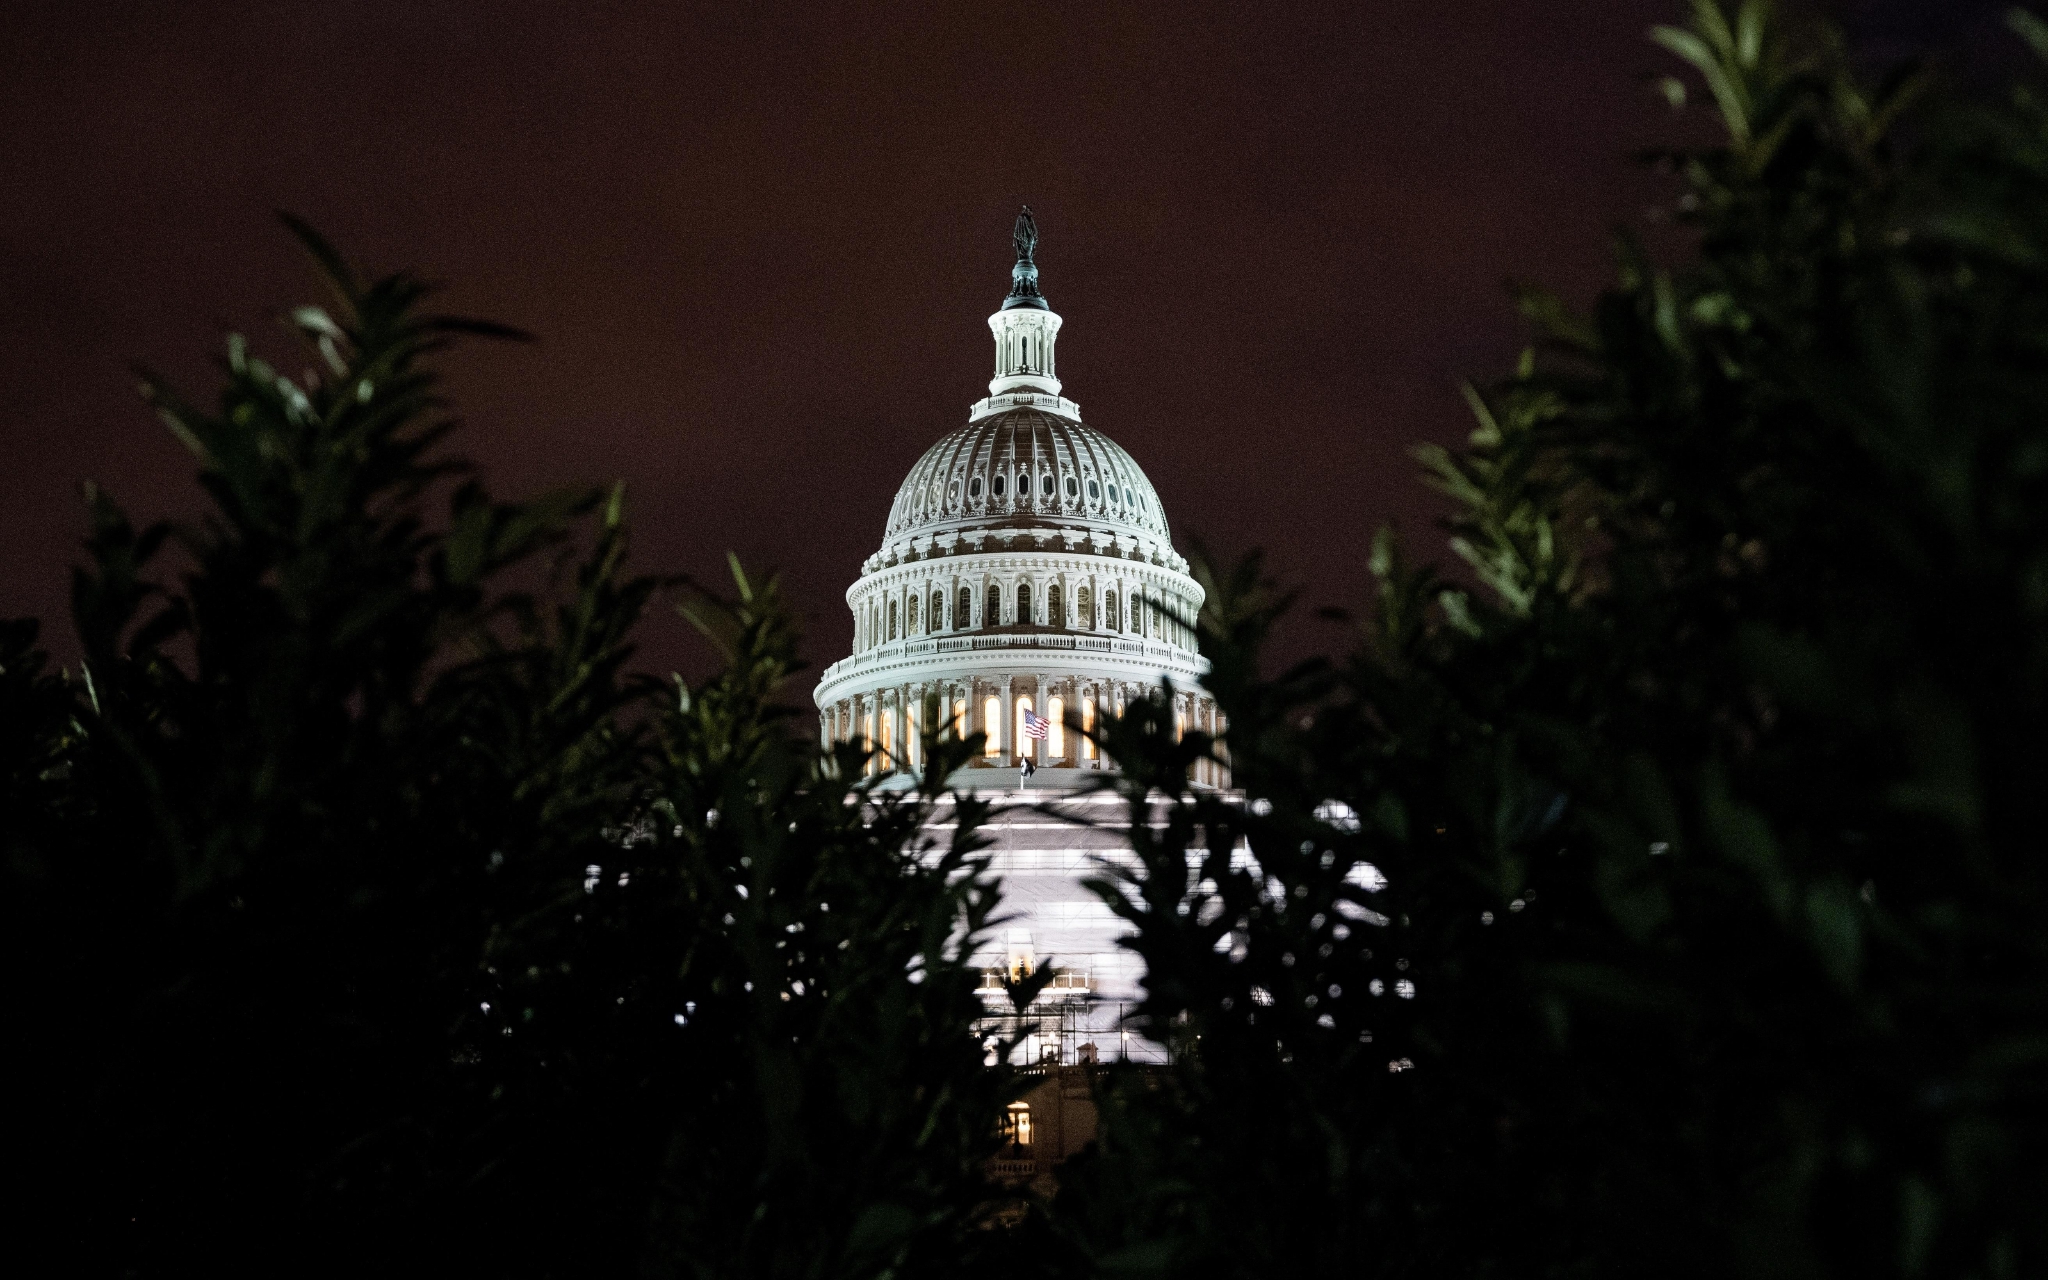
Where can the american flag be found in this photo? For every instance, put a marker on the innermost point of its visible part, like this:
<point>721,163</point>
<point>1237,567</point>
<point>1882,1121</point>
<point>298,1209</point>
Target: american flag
<point>1035,725</point>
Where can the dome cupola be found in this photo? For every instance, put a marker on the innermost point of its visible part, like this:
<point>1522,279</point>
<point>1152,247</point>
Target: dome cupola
<point>1025,328</point>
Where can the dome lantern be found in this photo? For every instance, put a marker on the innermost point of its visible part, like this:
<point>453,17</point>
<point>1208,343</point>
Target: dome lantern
<point>1026,327</point>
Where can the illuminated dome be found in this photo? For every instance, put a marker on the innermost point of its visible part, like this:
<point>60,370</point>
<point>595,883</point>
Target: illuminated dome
<point>1026,569</point>
<point>1027,588</point>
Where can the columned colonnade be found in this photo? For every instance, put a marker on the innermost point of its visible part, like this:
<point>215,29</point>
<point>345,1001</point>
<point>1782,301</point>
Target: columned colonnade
<point>892,720</point>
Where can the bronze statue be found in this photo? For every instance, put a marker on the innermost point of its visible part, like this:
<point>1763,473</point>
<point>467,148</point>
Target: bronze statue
<point>1024,276</point>
<point>1025,236</point>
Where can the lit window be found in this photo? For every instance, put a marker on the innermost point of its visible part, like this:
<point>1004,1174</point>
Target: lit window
<point>991,721</point>
<point>1056,742</point>
<point>1087,727</point>
<point>1023,743</point>
<point>1017,1124</point>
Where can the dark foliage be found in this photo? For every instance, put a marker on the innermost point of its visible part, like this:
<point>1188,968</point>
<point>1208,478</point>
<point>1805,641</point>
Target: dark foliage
<point>1712,822</point>
<point>360,910</point>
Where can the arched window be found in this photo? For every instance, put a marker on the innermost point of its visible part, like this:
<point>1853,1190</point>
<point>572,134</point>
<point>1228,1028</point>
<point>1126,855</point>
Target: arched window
<point>938,618</point>
<point>963,610</point>
<point>974,487</point>
<point>1045,484</point>
<point>1056,736</point>
<point>991,724</point>
<point>1023,603</point>
<point>1087,726</point>
<point>1109,612</point>
<point>1094,491</point>
<point>1055,607</point>
<point>1073,487</point>
<point>910,624</point>
<point>1023,743</point>
<point>1087,607</point>
<point>995,484</point>
<point>892,619</point>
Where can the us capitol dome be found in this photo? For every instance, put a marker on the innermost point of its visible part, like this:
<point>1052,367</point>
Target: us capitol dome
<point>1026,570</point>
<point>1026,588</point>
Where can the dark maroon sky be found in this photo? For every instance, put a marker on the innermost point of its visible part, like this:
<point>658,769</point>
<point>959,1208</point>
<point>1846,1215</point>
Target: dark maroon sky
<point>759,246</point>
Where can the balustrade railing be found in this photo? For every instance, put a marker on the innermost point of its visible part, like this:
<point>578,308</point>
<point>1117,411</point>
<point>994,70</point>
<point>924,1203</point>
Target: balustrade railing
<point>965,643</point>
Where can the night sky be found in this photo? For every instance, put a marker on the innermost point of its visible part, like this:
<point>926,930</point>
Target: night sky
<point>758,246</point>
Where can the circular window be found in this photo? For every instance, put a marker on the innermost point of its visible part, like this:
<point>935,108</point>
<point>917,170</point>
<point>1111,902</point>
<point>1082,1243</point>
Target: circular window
<point>974,487</point>
<point>1045,484</point>
<point>1094,491</point>
<point>995,485</point>
<point>1073,487</point>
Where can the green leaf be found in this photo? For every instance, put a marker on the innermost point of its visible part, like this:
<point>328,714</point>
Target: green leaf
<point>1834,921</point>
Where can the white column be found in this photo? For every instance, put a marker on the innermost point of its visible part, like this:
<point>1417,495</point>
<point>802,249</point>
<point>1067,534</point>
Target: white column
<point>1038,745</point>
<point>917,724</point>
<point>902,733</point>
